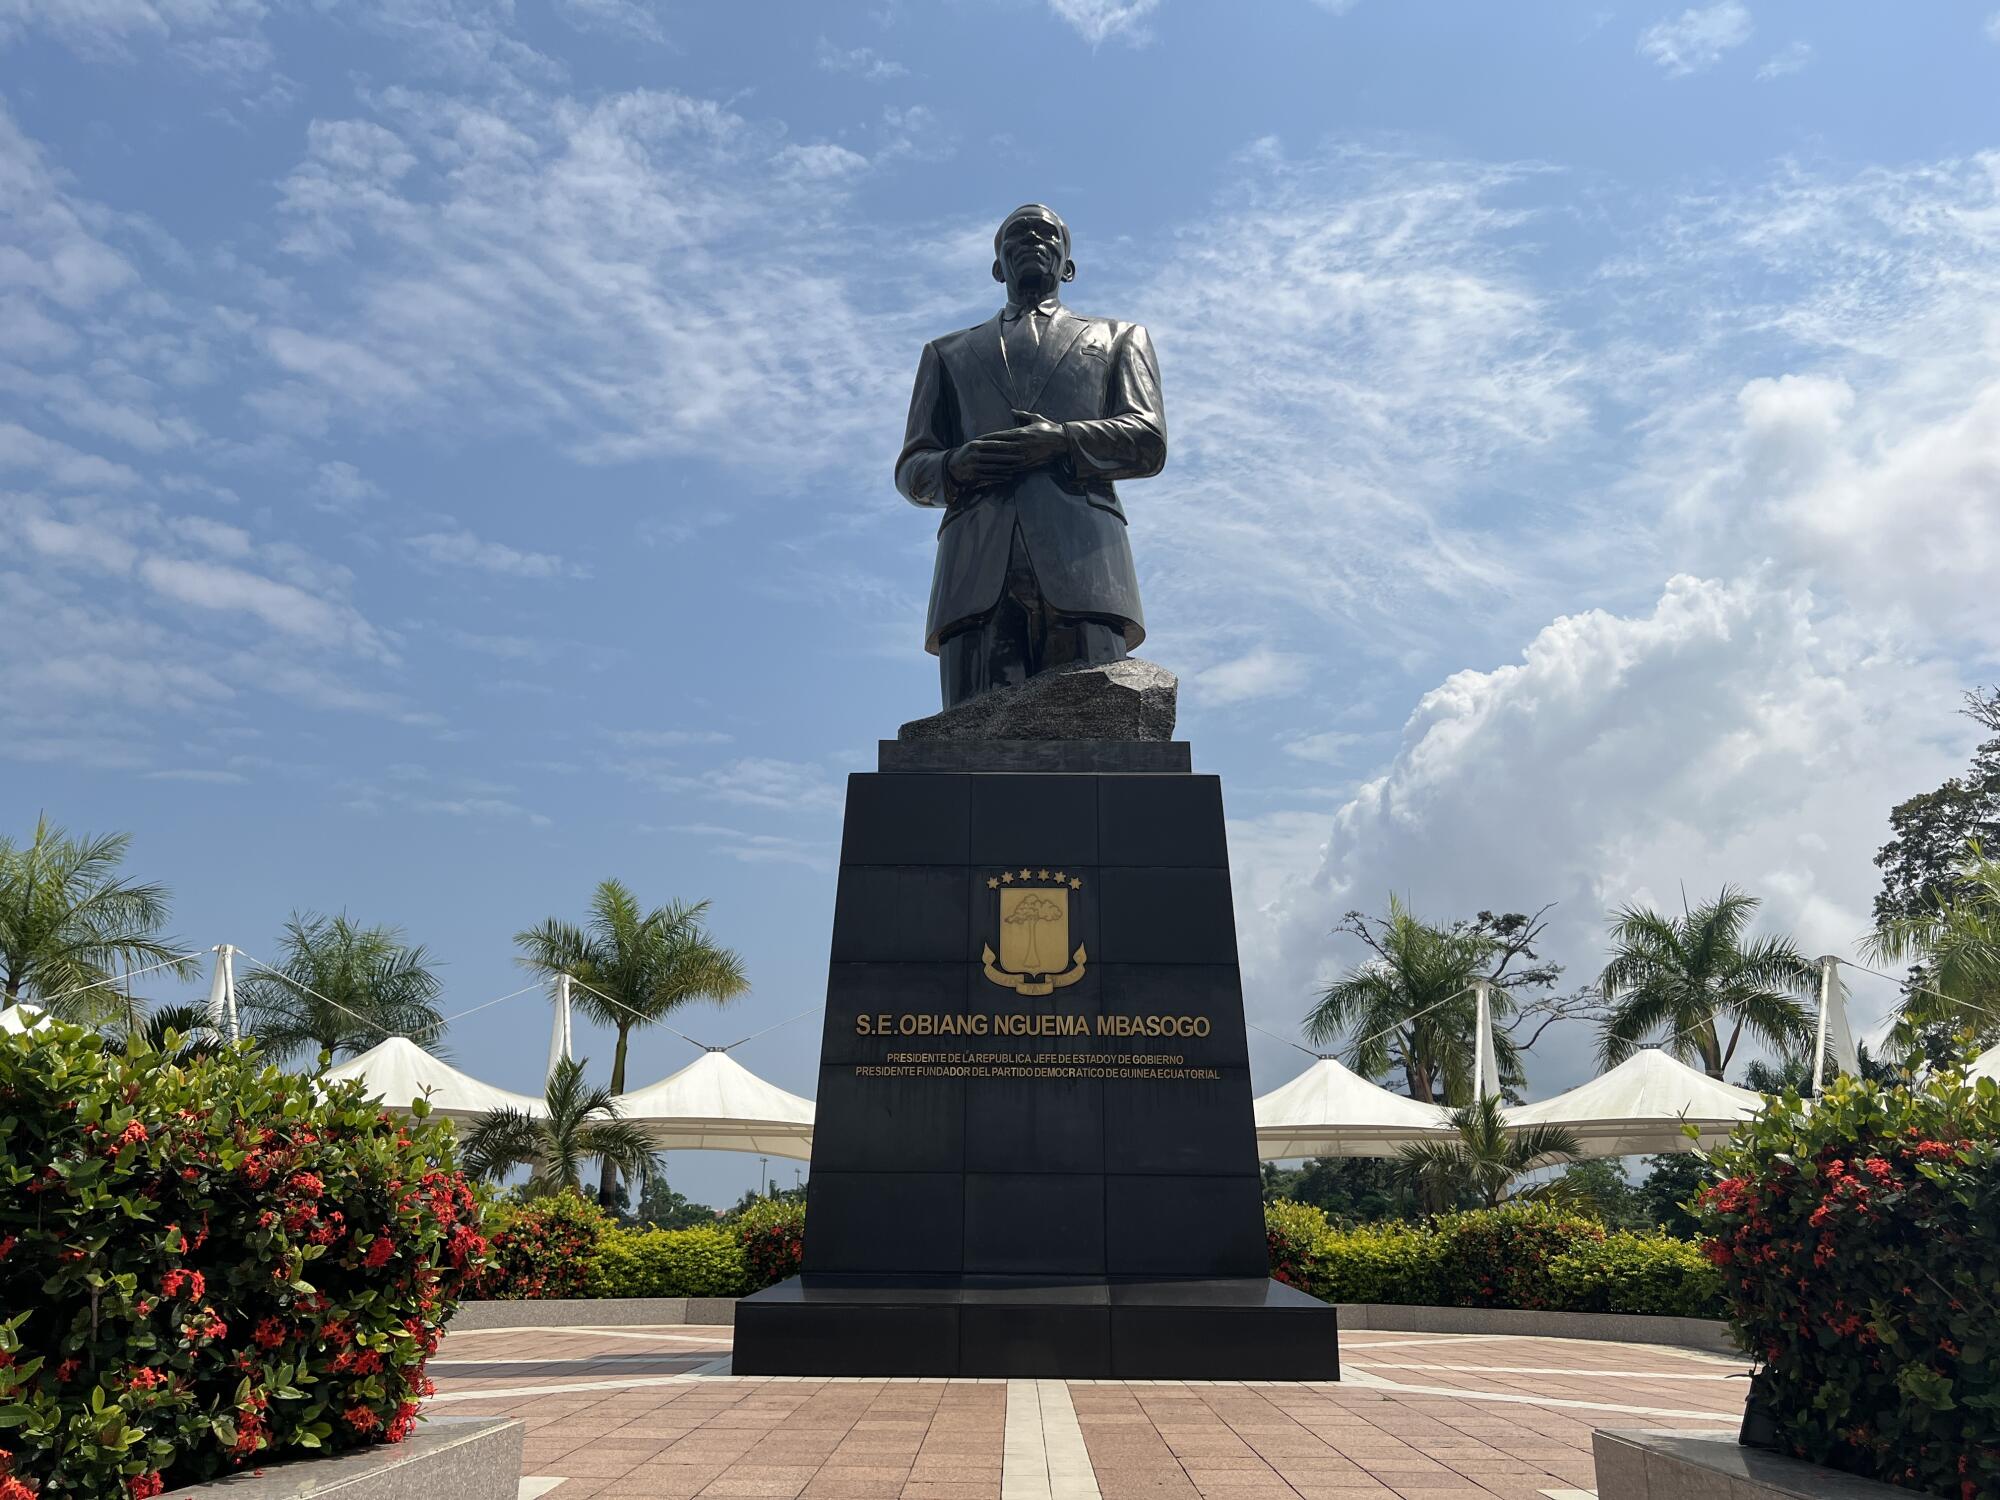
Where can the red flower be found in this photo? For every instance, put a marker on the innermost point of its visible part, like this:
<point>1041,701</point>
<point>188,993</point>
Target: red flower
<point>379,1253</point>
<point>269,1333</point>
<point>174,1280</point>
<point>361,1418</point>
<point>67,1370</point>
<point>145,1485</point>
<point>144,1378</point>
<point>13,1489</point>
<point>7,1244</point>
<point>306,1183</point>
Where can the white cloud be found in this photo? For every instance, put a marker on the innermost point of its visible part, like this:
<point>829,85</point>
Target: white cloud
<point>462,549</point>
<point>1260,673</point>
<point>281,606</point>
<point>1696,39</point>
<point>1350,345</point>
<point>862,62</point>
<point>1794,58</point>
<point>761,848</point>
<point>1098,20</point>
<point>628,19</point>
<point>1993,27</point>
<point>1729,734</point>
<point>61,464</point>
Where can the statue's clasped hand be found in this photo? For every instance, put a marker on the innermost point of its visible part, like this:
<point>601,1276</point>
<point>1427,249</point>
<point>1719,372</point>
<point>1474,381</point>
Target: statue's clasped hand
<point>998,456</point>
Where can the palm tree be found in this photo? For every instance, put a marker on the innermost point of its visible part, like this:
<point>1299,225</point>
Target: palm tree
<point>1957,947</point>
<point>1485,1160</point>
<point>583,1124</point>
<point>1410,1007</point>
<point>1684,976</point>
<point>342,989</point>
<point>633,969</point>
<point>188,1023</point>
<point>67,923</point>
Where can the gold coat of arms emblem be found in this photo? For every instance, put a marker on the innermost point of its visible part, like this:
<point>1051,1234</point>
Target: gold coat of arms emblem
<point>1034,908</point>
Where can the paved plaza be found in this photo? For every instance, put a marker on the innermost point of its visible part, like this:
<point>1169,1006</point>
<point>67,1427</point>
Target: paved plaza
<point>655,1412</point>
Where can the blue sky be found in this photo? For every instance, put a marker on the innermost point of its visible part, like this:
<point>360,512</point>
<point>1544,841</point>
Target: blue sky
<point>445,447</point>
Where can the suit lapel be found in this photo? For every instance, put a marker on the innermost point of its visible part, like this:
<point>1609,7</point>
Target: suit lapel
<point>1065,328</point>
<point>992,362</point>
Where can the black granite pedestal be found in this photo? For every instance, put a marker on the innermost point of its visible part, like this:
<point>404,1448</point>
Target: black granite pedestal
<point>1033,1153</point>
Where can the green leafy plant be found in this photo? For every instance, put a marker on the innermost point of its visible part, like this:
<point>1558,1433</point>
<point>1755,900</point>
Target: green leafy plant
<point>1636,1273</point>
<point>69,924</point>
<point>703,1262</point>
<point>541,1248</point>
<point>772,1233</point>
<point>1484,1161</point>
<point>341,988</point>
<point>582,1123</point>
<point>633,968</point>
<point>207,1262</point>
<point>1680,978</point>
<point>1858,1242</point>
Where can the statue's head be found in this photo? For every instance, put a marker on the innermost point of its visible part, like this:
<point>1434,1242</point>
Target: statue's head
<point>1031,252</point>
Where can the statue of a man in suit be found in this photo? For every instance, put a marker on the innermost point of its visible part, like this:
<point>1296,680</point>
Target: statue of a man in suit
<point>1017,429</point>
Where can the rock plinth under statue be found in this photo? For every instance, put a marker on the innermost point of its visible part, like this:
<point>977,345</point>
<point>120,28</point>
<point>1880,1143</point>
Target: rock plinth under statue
<point>1118,700</point>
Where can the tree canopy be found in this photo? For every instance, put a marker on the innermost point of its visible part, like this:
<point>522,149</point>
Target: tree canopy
<point>69,923</point>
<point>341,988</point>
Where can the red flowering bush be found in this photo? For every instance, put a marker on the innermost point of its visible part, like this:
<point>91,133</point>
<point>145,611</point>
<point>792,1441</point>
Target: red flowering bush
<point>542,1248</point>
<point>1500,1257</point>
<point>1859,1246</point>
<point>209,1263</point>
<point>772,1233</point>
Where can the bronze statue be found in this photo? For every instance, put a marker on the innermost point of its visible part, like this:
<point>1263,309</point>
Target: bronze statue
<point>1017,429</point>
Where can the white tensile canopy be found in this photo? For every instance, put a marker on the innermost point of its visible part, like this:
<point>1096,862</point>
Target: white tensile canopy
<point>1330,1110</point>
<point>398,1071</point>
<point>717,1104</point>
<point>1639,1107</point>
<point>1986,1065</point>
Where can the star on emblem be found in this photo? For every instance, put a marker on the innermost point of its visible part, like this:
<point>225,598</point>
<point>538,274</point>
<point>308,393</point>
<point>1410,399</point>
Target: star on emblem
<point>992,885</point>
<point>1027,874</point>
<point>1006,879</point>
<point>1060,877</point>
<point>1044,875</point>
<point>1075,884</point>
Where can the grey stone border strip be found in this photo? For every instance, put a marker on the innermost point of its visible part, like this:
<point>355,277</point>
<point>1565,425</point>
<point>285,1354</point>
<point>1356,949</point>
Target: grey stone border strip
<point>446,1458</point>
<point>594,1312</point>
<point>1616,1328</point>
<point>1648,1465</point>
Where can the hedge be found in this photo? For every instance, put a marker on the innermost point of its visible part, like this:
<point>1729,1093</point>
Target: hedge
<point>1527,1256</point>
<point>566,1246</point>
<point>209,1263</point>
<point>1858,1239</point>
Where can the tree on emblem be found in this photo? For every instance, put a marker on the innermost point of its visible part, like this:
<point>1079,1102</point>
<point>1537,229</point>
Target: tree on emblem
<point>1034,911</point>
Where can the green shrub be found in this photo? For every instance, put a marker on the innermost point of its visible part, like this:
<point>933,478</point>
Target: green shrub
<point>704,1262</point>
<point>1394,1263</point>
<point>1637,1273</point>
<point>1859,1245</point>
<point>544,1247</point>
<point>773,1236</point>
<point>209,1262</point>
<point>1500,1257</point>
<point>1294,1233</point>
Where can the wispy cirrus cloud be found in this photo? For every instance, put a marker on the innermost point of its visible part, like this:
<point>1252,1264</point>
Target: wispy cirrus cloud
<point>464,549</point>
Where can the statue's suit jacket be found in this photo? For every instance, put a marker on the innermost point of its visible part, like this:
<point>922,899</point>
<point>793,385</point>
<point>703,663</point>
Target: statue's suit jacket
<point>1098,379</point>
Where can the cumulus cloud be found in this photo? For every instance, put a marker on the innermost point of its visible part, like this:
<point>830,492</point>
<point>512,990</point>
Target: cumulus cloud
<point>1696,38</point>
<point>1728,734</point>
